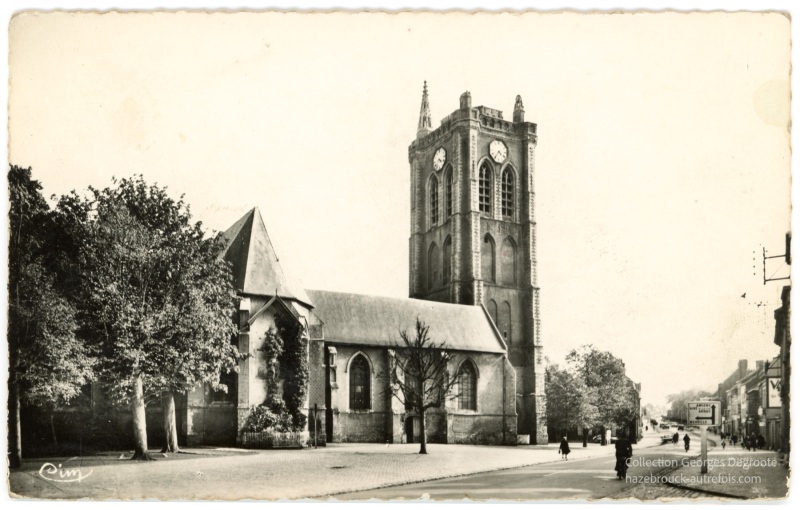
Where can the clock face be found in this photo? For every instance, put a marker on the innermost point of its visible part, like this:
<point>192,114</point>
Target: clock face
<point>439,157</point>
<point>498,151</point>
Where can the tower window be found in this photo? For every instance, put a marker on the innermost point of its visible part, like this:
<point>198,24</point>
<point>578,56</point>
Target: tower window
<point>448,254</point>
<point>434,201</point>
<point>508,262</point>
<point>485,189</point>
<point>434,267</point>
<point>359,383</point>
<point>508,193</point>
<point>448,191</point>
<point>467,394</point>
<point>487,259</point>
<point>506,323</point>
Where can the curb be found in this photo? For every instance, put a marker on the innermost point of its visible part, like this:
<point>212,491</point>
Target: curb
<point>705,491</point>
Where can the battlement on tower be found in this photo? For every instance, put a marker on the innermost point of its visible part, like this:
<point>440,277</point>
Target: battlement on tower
<point>489,119</point>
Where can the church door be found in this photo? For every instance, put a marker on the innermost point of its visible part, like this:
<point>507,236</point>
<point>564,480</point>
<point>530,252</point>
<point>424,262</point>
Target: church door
<point>413,429</point>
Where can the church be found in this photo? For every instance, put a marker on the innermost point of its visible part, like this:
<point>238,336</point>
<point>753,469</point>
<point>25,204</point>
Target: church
<point>472,279</point>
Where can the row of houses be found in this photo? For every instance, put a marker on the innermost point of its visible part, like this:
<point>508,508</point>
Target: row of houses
<point>755,399</point>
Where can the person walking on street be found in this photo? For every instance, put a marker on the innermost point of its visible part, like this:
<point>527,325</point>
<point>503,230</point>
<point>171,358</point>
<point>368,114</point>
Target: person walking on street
<point>734,438</point>
<point>563,449</point>
<point>761,441</point>
<point>623,452</point>
<point>675,438</point>
<point>686,441</point>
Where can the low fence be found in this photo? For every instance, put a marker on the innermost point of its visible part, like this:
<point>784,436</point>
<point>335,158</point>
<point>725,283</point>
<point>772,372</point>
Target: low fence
<point>258,440</point>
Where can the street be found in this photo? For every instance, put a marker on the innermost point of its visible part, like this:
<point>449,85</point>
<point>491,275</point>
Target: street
<point>573,479</point>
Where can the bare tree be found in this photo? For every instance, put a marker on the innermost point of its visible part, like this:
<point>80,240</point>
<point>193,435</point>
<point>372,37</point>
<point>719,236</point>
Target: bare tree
<point>419,376</point>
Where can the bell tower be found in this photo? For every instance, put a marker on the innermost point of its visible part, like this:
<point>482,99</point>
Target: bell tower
<point>473,232</point>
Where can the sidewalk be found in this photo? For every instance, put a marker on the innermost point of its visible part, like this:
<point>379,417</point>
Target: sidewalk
<point>737,472</point>
<point>281,474</point>
<point>733,473</point>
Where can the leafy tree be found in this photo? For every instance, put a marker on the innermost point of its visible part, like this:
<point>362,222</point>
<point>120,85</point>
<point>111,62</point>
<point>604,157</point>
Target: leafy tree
<point>419,376</point>
<point>570,404</point>
<point>155,299</point>
<point>197,348</point>
<point>48,364</point>
<point>612,392</point>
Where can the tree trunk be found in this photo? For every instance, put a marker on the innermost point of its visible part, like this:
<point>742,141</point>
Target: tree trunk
<point>170,427</point>
<point>423,442</point>
<point>585,436</point>
<point>603,436</point>
<point>14,429</point>
<point>139,422</point>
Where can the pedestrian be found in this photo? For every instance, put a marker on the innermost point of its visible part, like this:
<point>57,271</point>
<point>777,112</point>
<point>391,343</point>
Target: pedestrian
<point>753,441</point>
<point>734,438</point>
<point>746,443</point>
<point>723,443</point>
<point>563,449</point>
<point>623,452</point>
<point>675,438</point>
<point>686,441</point>
<point>762,441</point>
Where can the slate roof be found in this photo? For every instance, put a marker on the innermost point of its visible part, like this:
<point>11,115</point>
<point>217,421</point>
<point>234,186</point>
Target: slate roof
<point>256,268</point>
<point>377,321</point>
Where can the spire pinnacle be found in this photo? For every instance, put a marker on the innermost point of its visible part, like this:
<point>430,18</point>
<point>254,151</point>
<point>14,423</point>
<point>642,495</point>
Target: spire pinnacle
<point>424,126</point>
<point>519,110</point>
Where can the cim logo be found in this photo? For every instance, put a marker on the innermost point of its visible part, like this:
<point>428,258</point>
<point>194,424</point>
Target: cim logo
<point>52,473</point>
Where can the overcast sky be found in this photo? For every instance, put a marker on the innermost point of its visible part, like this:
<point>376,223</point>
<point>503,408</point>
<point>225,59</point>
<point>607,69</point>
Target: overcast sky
<point>662,164</point>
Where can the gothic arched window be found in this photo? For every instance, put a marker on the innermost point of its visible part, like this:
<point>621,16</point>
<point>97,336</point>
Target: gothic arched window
<point>434,267</point>
<point>448,192</point>
<point>508,193</point>
<point>434,200</point>
<point>448,255</point>
<point>505,322</point>
<point>508,262</point>
<point>467,387</point>
<point>485,188</point>
<point>487,259</point>
<point>359,383</point>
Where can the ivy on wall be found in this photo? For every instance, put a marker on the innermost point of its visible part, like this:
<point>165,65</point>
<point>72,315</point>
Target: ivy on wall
<point>294,363</point>
<point>286,361</point>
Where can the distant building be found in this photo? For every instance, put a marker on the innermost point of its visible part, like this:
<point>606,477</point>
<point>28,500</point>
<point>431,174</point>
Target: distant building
<point>730,411</point>
<point>634,428</point>
<point>771,422</point>
<point>782,364</point>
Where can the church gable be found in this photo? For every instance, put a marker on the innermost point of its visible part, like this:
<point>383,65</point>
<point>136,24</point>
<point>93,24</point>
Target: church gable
<point>256,267</point>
